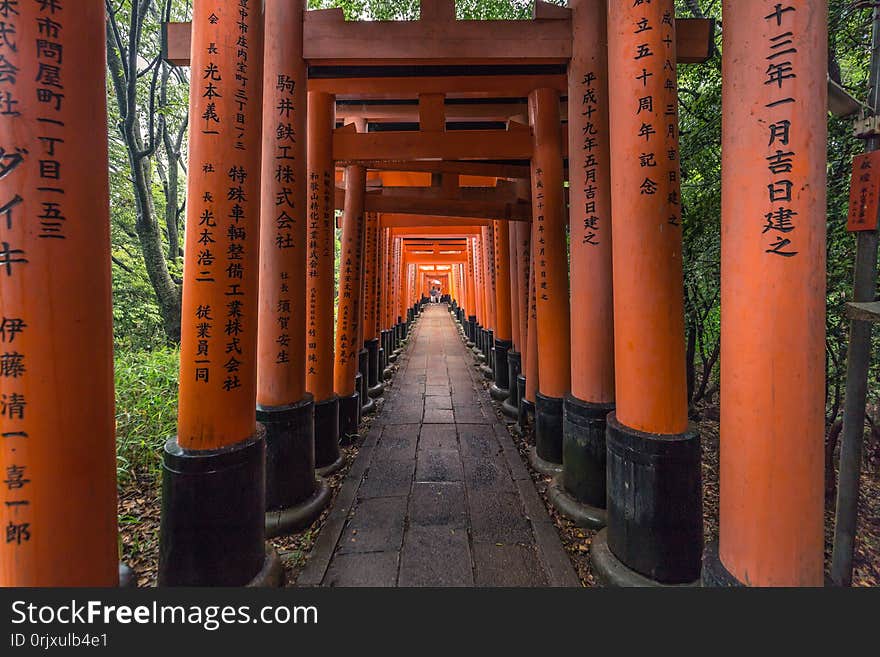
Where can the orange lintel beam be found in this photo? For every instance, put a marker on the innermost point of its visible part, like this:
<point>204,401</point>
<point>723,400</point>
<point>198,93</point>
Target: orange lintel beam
<point>513,211</point>
<point>328,39</point>
<point>434,259</point>
<point>461,168</point>
<point>433,225</point>
<point>513,86</point>
<point>514,144</point>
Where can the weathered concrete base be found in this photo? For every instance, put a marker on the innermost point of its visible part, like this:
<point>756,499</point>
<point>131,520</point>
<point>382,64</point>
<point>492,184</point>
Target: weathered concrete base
<point>582,515</point>
<point>714,573</point>
<point>613,573</point>
<point>369,407</point>
<point>127,577</point>
<point>281,522</point>
<point>334,467</point>
<point>498,394</point>
<point>544,467</point>
<point>509,411</point>
<point>272,574</point>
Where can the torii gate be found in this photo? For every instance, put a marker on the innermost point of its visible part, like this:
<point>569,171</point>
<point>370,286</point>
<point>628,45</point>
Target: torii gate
<point>616,360</point>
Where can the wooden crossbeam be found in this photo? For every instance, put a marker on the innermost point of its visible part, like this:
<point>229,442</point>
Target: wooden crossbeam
<point>511,171</point>
<point>414,225</point>
<point>330,40</point>
<point>443,207</point>
<point>460,145</point>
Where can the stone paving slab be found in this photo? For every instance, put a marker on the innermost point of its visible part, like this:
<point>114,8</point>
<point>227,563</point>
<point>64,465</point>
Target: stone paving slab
<point>438,494</point>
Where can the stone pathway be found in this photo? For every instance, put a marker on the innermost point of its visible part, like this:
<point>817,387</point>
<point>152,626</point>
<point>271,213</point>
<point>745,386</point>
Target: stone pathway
<point>438,495</point>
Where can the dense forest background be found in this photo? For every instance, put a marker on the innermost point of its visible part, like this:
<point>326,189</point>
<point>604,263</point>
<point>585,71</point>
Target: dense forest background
<point>147,125</point>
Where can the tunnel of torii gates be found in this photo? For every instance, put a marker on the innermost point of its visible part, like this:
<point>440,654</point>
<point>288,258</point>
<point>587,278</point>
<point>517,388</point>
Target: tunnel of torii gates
<point>447,145</point>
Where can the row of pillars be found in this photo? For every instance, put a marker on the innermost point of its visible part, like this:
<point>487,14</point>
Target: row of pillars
<point>583,330</point>
<point>600,340</point>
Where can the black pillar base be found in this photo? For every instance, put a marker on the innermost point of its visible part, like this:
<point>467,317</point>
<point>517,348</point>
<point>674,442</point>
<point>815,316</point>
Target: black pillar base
<point>490,350</point>
<point>374,385</point>
<point>471,330</point>
<point>364,371</point>
<point>612,572</point>
<point>714,572</point>
<point>328,458</point>
<point>500,390</point>
<point>582,515</point>
<point>213,506</point>
<point>294,497</point>
<point>584,451</point>
<point>281,522</point>
<point>526,408</point>
<point>510,407</point>
<point>655,515</point>
<point>548,428</point>
<point>272,573</point>
<point>546,468</point>
<point>349,415</point>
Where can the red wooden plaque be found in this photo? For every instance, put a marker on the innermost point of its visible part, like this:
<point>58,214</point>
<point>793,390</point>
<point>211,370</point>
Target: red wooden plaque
<point>863,192</point>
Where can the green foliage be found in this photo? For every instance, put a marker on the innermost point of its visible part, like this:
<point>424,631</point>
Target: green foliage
<point>146,410</point>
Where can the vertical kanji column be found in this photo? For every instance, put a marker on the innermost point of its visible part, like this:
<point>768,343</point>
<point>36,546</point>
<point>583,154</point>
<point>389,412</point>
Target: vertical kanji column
<point>773,295</point>
<point>580,491</point>
<point>551,278</point>
<point>530,387</point>
<point>372,293</point>
<point>293,495</point>
<point>487,260</point>
<point>503,335</point>
<point>321,284</point>
<point>350,289</point>
<point>510,407</point>
<point>213,501</point>
<point>387,348</point>
<point>523,232</point>
<point>58,458</point>
<point>653,458</point>
<point>482,311</point>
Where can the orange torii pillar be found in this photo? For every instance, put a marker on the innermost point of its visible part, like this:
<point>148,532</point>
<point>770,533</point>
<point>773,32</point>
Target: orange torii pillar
<point>480,283</point>
<point>523,232</point>
<point>653,456</point>
<point>500,390</point>
<point>348,317</point>
<point>213,492</point>
<point>471,307</point>
<point>773,296</point>
<point>380,302</point>
<point>579,493</point>
<point>56,327</point>
<point>530,385</point>
<point>399,293</point>
<point>386,334</point>
<point>294,497</point>
<point>551,279</point>
<point>488,273</point>
<point>321,284</point>
<point>510,406</point>
<point>371,295</point>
